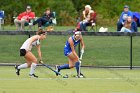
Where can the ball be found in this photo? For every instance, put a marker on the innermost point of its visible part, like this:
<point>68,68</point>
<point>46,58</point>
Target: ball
<point>66,76</point>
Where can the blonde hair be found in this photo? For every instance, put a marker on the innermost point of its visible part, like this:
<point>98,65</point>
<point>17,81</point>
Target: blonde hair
<point>88,6</point>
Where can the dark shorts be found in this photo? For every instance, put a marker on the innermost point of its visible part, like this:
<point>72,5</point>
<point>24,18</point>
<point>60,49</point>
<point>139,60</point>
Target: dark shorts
<point>22,52</point>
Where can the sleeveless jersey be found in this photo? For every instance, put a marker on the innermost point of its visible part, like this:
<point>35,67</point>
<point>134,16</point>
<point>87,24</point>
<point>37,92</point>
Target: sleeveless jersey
<point>67,48</point>
<point>27,46</point>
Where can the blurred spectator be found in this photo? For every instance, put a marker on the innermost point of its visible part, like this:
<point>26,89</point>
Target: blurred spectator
<point>1,14</point>
<point>88,19</point>
<point>45,19</point>
<point>24,18</point>
<point>1,18</point>
<point>123,17</point>
<point>136,17</point>
<point>129,25</point>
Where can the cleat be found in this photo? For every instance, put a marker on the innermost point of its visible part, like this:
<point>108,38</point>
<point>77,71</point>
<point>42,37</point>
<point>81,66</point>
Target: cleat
<point>33,76</point>
<point>17,70</point>
<point>57,69</point>
<point>80,76</point>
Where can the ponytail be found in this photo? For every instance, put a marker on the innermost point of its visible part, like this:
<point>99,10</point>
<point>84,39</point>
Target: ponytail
<point>40,31</point>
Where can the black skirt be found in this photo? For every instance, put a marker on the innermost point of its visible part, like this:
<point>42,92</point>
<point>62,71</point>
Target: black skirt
<point>22,52</point>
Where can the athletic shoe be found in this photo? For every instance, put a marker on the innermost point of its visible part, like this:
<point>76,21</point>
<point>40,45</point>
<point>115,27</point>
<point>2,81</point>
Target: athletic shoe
<point>17,70</point>
<point>30,24</point>
<point>33,76</point>
<point>57,69</point>
<point>81,76</point>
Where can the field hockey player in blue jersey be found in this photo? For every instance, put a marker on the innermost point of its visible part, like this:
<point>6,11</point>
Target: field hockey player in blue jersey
<point>70,52</point>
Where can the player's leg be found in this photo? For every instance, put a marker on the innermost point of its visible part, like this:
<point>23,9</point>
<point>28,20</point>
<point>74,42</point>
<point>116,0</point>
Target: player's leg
<point>22,66</point>
<point>32,59</point>
<point>58,68</point>
<point>70,64</point>
<point>72,61</point>
<point>66,66</point>
<point>76,62</point>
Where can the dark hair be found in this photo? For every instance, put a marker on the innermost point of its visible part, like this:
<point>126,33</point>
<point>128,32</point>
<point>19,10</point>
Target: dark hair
<point>48,9</point>
<point>40,31</point>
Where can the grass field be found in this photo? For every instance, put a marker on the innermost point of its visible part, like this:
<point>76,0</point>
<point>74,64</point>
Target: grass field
<point>99,50</point>
<point>96,81</point>
<point>56,28</point>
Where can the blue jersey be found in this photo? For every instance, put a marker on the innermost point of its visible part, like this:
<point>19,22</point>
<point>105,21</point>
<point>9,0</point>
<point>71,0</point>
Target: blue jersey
<point>124,15</point>
<point>67,48</point>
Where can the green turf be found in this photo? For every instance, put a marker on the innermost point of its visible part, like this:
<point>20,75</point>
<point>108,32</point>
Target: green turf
<point>99,50</point>
<point>58,28</point>
<point>96,81</point>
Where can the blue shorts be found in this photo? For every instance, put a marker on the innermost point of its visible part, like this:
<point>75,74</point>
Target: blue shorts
<point>67,52</point>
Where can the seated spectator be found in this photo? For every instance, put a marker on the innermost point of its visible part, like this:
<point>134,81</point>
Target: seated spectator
<point>89,18</point>
<point>129,25</point>
<point>136,17</point>
<point>123,17</point>
<point>1,14</point>
<point>1,18</point>
<point>24,18</point>
<point>46,18</point>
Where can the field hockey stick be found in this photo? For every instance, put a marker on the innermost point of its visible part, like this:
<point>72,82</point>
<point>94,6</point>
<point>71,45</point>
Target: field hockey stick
<point>51,68</point>
<point>54,70</point>
<point>81,56</point>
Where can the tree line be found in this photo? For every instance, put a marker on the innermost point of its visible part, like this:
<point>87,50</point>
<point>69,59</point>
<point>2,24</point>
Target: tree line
<point>108,11</point>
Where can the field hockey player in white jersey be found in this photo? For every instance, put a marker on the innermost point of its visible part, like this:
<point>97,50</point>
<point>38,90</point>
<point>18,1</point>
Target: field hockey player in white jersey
<point>25,50</point>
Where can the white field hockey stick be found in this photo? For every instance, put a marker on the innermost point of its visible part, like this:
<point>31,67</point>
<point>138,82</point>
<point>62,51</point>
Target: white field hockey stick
<point>81,56</point>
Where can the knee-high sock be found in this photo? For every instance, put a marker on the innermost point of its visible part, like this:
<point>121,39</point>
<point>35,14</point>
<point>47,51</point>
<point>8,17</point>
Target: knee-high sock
<point>22,66</point>
<point>32,69</point>
<point>65,66</point>
<point>77,65</point>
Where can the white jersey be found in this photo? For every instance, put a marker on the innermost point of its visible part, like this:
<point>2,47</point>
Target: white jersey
<point>27,46</point>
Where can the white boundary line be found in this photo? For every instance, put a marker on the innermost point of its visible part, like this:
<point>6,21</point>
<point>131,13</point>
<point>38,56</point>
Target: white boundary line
<point>65,78</point>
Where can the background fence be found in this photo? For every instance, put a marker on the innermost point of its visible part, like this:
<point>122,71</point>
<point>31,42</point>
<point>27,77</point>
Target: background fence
<point>110,49</point>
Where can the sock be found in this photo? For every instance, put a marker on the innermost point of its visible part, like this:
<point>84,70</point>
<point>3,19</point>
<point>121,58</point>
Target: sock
<point>22,66</point>
<point>32,69</point>
<point>77,65</point>
<point>65,66</point>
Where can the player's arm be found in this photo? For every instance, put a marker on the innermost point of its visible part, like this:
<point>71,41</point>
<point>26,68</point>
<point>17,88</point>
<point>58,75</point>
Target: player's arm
<point>72,47</point>
<point>39,52</point>
<point>82,43</point>
<point>38,48</point>
<point>83,47</point>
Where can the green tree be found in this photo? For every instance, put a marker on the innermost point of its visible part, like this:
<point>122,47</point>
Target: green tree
<point>108,11</point>
<point>65,11</point>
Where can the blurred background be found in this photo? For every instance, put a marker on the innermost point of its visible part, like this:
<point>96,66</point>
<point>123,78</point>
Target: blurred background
<point>108,11</point>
